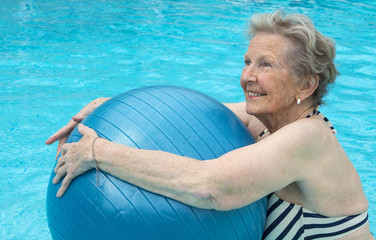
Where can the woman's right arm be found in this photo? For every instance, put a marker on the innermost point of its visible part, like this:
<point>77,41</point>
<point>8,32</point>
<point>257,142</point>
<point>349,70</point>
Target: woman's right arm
<point>254,125</point>
<point>239,110</point>
<point>231,181</point>
<point>62,134</point>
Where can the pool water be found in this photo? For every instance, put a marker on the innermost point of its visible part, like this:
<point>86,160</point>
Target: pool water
<point>56,56</point>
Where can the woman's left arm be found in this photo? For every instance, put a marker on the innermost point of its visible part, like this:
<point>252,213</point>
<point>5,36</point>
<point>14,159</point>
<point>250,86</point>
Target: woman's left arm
<point>231,181</point>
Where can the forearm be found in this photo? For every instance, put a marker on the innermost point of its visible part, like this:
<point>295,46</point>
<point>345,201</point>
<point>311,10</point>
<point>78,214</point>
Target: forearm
<point>239,110</point>
<point>181,178</point>
<point>254,125</point>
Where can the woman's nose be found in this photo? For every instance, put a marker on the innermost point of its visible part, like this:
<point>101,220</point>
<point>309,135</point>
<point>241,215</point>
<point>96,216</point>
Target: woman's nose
<point>250,73</point>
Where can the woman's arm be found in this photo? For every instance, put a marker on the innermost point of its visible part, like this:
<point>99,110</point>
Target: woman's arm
<point>231,181</point>
<point>178,177</point>
<point>254,125</point>
<point>239,110</point>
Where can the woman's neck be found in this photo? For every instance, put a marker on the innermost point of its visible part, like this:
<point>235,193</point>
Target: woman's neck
<point>285,116</point>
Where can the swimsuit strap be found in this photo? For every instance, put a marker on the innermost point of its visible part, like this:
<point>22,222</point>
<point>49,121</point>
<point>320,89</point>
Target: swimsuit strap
<point>316,112</point>
<point>261,134</point>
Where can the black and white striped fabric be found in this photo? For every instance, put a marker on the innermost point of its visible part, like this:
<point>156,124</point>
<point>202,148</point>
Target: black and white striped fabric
<point>317,112</point>
<point>291,221</point>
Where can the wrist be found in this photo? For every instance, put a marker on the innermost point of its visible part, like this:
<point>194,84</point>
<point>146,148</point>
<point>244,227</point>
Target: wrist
<point>101,150</point>
<point>94,160</point>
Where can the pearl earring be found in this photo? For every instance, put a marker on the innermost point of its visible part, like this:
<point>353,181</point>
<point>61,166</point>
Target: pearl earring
<point>298,101</point>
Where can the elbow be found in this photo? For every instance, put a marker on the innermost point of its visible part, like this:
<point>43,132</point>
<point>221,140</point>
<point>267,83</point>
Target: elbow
<point>217,191</point>
<point>223,200</point>
<point>214,197</point>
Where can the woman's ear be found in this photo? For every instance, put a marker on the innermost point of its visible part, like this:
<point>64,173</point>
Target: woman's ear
<point>309,87</point>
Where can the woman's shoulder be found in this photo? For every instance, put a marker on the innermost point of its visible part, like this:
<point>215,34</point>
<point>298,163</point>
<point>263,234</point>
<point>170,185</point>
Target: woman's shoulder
<point>307,129</point>
<point>306,139</point>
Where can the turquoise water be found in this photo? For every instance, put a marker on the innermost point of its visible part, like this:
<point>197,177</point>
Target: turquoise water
<point>56,56</point>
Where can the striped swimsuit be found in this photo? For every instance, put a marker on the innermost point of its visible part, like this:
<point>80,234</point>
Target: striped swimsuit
<point>291,221</point>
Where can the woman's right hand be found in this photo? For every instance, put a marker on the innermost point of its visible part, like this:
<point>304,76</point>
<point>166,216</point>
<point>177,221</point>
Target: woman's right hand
<point>62,134</point>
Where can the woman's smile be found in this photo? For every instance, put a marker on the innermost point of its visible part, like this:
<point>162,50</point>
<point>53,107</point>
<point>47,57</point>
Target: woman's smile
<point>255,94</point>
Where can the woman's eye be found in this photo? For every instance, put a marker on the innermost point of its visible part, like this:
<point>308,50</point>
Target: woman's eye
<point>247,62</point>
<point>266,64</point>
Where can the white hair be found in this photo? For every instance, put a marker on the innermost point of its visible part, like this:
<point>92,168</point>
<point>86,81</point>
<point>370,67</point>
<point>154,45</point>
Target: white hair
<point>314,53</point>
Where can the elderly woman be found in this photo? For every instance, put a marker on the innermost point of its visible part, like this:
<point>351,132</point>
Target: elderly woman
<point>312,187</point>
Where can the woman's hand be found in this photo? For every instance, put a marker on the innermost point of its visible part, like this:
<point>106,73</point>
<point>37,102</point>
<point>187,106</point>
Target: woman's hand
<point>76,159</point>
<point>63,133</point>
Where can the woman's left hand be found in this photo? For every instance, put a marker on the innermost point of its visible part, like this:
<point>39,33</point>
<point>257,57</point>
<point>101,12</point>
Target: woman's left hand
<point>76,159</point>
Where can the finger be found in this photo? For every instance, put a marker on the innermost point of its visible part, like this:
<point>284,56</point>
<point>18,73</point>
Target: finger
<point>86,131</point>
<point>61,143</point>
<point>65,148</point>
<point>59,164</point>
<point>64,186</point>
<point>63,132</point>
<point>77,118</point>
<point>63,151</point>
<point>59,174</point>
<point>88,109</point>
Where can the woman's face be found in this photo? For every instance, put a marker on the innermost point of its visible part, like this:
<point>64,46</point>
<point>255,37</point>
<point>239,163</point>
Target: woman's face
<point>266,78</point>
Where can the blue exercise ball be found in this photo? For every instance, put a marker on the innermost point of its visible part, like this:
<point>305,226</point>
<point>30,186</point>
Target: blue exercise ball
<point>167,118</point>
